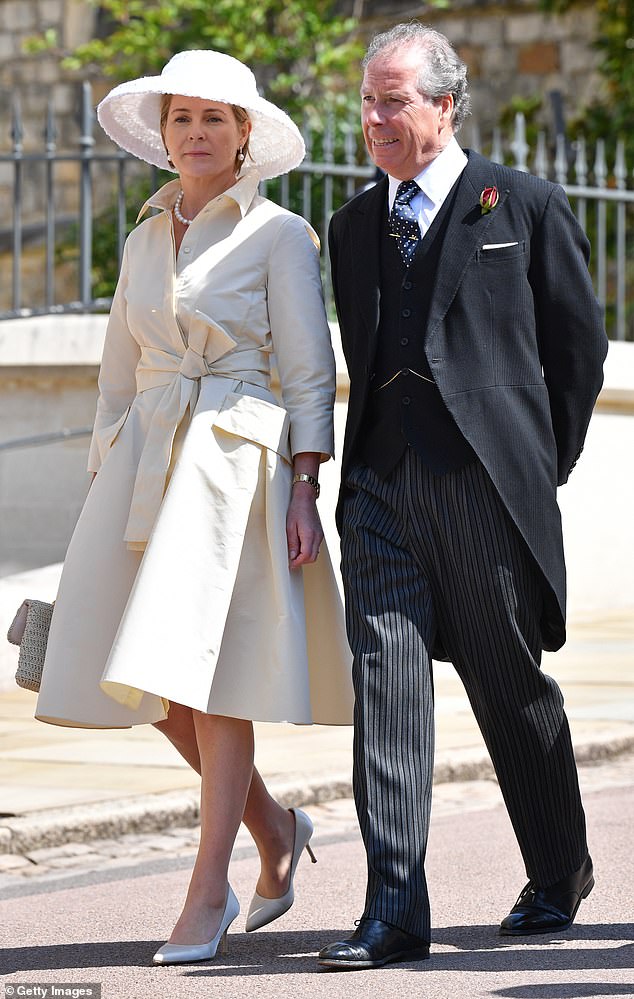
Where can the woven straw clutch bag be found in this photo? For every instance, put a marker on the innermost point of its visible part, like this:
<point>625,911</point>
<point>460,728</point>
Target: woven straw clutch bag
<point>29,630</point>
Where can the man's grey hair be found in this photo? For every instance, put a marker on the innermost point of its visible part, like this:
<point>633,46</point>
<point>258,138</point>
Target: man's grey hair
<point>441,70</point>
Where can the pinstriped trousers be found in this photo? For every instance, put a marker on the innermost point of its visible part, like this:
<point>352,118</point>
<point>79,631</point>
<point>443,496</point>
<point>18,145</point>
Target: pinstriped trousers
<point>426,555</point>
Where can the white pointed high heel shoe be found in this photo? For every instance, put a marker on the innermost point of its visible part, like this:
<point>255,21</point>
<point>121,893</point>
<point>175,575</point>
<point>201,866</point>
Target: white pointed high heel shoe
<point>265,910</point>
<point>187,953</point>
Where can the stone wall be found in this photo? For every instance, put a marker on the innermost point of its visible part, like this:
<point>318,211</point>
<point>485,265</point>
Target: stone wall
<point>39,77</point>
<point>37,81</point>
<point>48,382</point>
<point>48,369</point>
<point>511,48</point>
<point>536,54</point>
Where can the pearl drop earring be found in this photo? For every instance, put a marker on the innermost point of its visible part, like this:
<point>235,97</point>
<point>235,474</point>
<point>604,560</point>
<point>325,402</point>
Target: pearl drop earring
<point>240,154</point>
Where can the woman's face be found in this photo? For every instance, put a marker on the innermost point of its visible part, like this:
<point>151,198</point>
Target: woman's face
<point>203,138</point>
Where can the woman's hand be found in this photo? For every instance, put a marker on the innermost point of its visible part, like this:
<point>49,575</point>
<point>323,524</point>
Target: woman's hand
<point>303,526</point>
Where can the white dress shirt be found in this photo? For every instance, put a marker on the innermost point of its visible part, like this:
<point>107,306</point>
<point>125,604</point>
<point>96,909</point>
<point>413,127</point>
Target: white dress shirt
<point>435,183</point>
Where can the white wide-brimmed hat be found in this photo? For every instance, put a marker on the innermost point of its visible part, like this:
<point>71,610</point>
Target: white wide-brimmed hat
<point>130,114</point>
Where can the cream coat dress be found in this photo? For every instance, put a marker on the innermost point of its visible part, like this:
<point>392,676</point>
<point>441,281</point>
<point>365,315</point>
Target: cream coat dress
<point>176,584</point>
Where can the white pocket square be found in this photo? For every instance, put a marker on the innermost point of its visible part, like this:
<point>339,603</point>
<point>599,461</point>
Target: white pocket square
<point>498,246</point>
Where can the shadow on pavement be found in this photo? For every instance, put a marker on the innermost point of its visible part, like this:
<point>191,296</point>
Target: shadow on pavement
<point>568,990</point>
<point>474,949</point>
<point>486,937</point>
<point>59,957</point>
<point>248,954</point>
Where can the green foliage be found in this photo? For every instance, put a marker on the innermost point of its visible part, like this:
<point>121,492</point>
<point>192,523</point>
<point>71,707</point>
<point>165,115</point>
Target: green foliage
<point>300,50</point>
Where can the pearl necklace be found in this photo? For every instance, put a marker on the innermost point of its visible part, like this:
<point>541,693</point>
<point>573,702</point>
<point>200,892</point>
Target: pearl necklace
<point>177,210</point>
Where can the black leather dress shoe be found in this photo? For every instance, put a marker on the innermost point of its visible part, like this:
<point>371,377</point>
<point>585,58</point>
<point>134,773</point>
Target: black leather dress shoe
<point>373,944</point>
<point>544,910</point>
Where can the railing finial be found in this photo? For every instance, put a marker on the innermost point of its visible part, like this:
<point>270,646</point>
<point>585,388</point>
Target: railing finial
<point>17,131</point>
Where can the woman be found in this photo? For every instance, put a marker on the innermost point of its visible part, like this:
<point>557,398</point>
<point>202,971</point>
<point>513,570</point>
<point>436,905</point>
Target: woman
<point>192,595</point>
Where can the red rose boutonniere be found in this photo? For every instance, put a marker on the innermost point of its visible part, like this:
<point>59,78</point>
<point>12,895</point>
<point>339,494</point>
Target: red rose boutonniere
<point>489,199</point>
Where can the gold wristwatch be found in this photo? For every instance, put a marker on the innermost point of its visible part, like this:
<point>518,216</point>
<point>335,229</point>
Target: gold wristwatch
<point>305,477</point>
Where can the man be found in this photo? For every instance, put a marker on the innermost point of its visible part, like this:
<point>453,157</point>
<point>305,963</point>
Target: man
<point>475,357</point>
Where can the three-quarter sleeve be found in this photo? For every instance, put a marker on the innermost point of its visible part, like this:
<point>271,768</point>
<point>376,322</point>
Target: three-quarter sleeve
<point>117,383</point>
<point>301,337</point>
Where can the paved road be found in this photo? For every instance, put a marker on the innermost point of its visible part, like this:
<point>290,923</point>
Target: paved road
<point>95,912</point>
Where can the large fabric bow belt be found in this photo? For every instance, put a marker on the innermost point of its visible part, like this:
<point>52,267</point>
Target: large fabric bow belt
<point>180,375</point>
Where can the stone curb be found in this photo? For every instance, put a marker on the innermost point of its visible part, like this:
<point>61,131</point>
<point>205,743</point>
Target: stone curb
<point>141,814</point>
<point>157,812</point>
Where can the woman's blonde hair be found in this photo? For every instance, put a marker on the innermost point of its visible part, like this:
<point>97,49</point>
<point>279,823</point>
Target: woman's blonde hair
<point>240,115</point>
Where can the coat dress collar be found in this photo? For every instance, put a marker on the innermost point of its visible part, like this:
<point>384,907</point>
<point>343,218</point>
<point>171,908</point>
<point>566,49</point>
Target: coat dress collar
<point>242,192</point>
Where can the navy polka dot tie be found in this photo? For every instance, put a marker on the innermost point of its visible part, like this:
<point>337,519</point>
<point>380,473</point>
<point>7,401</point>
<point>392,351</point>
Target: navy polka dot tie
<point>403,221</point>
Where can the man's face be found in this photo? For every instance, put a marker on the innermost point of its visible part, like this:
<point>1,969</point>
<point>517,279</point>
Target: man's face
<point>403,130</point>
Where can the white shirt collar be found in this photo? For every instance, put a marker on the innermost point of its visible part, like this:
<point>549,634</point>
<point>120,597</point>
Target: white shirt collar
<point>437,179</point>
<point>242,192</point>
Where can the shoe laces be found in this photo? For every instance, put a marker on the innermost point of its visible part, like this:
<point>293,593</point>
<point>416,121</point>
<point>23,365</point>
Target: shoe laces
<point>531,888</point>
